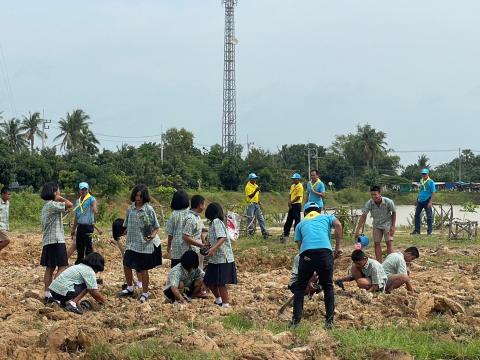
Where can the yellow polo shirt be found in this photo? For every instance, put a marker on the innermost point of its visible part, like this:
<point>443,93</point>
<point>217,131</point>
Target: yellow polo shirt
<point>296,190</point>
<point>249,189</point>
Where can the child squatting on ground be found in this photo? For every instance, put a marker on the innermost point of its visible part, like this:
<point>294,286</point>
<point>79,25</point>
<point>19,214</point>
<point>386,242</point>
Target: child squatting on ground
<point>185,280</point>
<point>54,251</point>
<point>143,250</point>
<point>75,282</point>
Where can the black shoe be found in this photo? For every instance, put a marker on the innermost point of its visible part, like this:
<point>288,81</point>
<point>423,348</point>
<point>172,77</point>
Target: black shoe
<point>218,303</point>
<point>85,305</point>
<point>47,300</point>
<point>414,233</point>
<point>74,309</point>
<point>100,281</point>
<point>329,325</point>
<point>293,324</point>
<point>339,283</point>
<point>266,235</point>
<point>125,293</point>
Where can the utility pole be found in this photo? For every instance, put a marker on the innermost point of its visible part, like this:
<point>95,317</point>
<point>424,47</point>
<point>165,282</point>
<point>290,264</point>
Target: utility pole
<point>162,146</point>
<point>459,164</point>
<point>45,126</point>
<point>308,152</point>
<point>229,122</point>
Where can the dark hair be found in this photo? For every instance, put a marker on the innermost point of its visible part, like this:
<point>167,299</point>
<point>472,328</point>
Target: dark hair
<point>49,190</point>
<point>375,188</point>
<point>214,211</point>
<point>180,200</point>
<point>118,229</point>
<point>310,209</point>
<point>95,261</point>
<point>358,255</point>
<point>5,190</point>
<point>196,200</point>
<point>314,170</point>
<point>143,193</point>
<point>414,251</point>
<point>189,260</point>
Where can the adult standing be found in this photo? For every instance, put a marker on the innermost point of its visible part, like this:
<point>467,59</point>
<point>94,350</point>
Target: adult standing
<point>315,189</point>
<point>424,201</point>
<point>83,223</point>
<point>384,217</point>
<point>313,239</point>
<point>4,217</point>
<point>254,210</point>
<point>295,200</point>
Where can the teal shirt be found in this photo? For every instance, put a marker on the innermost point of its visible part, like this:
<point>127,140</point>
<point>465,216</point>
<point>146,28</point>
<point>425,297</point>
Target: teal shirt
<point>426,191</point>
<point>86,214</point>
<point>320,187</point>
<point>314,231</point>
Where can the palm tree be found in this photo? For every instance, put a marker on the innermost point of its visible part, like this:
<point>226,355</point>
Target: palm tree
<point>11,131</point>
<point>372,142</point>
<point>423,161</point>
<point>31,126</point>
<point>75,132</point>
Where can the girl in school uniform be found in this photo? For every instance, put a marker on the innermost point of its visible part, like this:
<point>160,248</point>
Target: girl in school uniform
<point>54,252</point>
<point>74,283</point>
<point>176,246</point>
<point>221,268</point>
<point>142,248</point>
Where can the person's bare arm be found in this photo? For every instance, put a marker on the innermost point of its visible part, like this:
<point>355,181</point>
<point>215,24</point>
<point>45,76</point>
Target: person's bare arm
<point>409,286</point>
<point>338,238</point>
<point>254,193</point>
<point>430,203</point>
<point>214,248</point>
<point>97,296</point>
<point>169,243</point>
<point>191,241</point>
<point>393,226</point>
<point>177,294</point>
<point>373,288</point>
<point>94,206</point>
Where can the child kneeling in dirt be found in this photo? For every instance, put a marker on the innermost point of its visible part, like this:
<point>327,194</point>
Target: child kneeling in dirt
<point>367,273</point>
<point>185,280</point>
<point>313,285</point>
<point>72,284</point>
<point>395,266</point>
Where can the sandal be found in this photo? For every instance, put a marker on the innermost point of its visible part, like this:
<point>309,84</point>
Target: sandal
<point>125,293</point>
<point>143,298</point>
<point>74,309</point>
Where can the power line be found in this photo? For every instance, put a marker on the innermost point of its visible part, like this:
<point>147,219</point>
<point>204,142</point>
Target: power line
<point>130,137</point>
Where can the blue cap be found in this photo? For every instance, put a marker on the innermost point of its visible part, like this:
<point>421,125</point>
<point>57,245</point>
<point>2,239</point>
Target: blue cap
<point>362,239</point>
<point>252,176</point>
<point>83,185</point>
<point>425,171</point>
<point>296,176</point>
<point>310,205</point>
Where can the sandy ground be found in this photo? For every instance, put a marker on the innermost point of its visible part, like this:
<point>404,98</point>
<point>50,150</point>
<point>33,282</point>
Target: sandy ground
<point>31,330</point>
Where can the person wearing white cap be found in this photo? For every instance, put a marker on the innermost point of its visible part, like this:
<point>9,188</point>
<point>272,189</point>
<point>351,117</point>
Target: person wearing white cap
<point>83,223</point>
<point>424,201</point>
<point>295,200</point>
<point>254,210</point>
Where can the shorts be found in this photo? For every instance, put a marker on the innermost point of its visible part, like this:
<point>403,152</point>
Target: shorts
<point>378,234</point>
<point>4,236</point>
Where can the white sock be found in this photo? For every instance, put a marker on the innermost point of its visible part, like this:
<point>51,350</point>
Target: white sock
<point>130,288</point>
<point>72,303</point>
<point>139,284</point>
<point>218,300</point>
<point>226,305</point>
<point>48,294</point>
<point>145,295</point>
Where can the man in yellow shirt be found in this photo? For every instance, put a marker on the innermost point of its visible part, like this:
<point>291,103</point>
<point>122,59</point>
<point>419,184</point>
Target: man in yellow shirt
<point>254,210</point>
<point>295,201</point>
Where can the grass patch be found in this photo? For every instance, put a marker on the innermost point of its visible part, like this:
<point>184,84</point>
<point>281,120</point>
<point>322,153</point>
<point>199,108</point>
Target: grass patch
<point>302,333</point>
<point>100,351</point>
<point>264,248</point>
<point>154,349</point>
<point>421,342</point>
<point>236,321</point>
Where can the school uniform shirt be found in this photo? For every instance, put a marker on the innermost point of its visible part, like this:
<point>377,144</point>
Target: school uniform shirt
<point>174,228</point>
<point>4,215</point>
<point>51,220</point>
<point>314,231</point>
<point>394,264</point>
<point>134,222</point>
<point>296,190</point>
<point>74,275</point>
<point>249,189</point>
<point>381,214</point>
<point>179,273</point>
<point>294,276</point>
<point>224,253</point>
<point>193,228</point>
<point>427,188</point>
<point>84,211</point>
<point>374,271</point>
<point>319,186</point>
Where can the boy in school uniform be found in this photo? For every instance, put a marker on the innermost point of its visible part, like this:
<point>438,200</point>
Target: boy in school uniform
<point>193,230</point>
<point>4,217</point>
<point>366,272</point>
<point>395,267</point>
<point>185,280</point>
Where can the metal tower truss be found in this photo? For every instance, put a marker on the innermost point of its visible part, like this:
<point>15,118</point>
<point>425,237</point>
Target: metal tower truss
<point>229,128</point>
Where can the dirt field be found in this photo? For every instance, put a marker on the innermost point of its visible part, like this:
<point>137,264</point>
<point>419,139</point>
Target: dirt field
<point>445,309</point>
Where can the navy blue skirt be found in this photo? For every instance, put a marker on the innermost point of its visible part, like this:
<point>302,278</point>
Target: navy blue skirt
<point>54,255</point>
<point>140,261</point>
<point>220,274</point>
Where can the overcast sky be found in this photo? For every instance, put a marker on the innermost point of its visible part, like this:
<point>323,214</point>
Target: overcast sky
<point>306,70</point>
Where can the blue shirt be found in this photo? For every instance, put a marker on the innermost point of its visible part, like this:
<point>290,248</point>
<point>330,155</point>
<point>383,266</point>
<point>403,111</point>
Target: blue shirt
<point>86,216</point>
<point>320,187</point>
<point>314,231</point>
<point>426,191</point>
